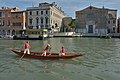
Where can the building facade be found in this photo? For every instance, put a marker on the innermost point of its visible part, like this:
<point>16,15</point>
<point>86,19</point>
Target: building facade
<point>118,30</point>
<point>5,19</point>
<point>18,21</point>
<point>92,20</point>
<point>66,21</point>
<point>47,16</point>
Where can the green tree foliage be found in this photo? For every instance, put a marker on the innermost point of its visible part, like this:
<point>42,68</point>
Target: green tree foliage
<point>73,25</point>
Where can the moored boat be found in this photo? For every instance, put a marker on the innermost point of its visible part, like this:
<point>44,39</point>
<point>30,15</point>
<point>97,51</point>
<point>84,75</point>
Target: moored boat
<point>31,34</point>
<point>50,56</point>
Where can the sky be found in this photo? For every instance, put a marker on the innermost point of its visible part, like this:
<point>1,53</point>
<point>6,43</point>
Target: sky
<point>68,6</point>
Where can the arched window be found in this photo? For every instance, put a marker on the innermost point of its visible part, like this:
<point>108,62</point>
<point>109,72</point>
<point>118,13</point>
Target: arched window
<point>37,20</point>
<point>3,32</point>
<point>13,32</point>
<point>46,12</point>
<point>46,20</point>
<point>30,21</point>
<point>42,20</point>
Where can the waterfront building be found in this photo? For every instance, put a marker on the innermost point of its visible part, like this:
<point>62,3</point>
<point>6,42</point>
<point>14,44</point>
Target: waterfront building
<point>118,30</point>
<point>92,20</point>
<point>47,16</point>
<point>18,21</point>
<point>66,21</point>
<point>5,16</point>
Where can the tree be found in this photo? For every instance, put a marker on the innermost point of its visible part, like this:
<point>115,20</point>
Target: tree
<point>73,25</point>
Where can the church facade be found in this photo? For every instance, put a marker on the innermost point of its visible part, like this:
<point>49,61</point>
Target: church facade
<point>92,20</point>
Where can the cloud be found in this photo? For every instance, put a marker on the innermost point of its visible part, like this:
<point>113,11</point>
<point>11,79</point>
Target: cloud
<point>69,6</point>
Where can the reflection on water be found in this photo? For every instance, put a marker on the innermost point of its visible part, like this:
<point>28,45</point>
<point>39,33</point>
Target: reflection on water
<point>100,62</point>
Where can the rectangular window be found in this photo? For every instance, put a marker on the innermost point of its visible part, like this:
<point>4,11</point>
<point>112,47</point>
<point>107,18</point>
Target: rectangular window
<point>46,12</point>
<point>30,13</point>
<point>0,14</point>
<point>17,24</point>
<point>37,13</point>
<point>41,12</point>
<point>46,20</point>
<point>114,21</point>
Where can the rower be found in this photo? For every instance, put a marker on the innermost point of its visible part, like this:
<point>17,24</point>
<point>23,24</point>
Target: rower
<point>63,51</point>
<point>27,47</point>
<point>48,47</point>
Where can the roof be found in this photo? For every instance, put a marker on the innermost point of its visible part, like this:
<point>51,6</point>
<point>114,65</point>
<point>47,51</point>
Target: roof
<point>103,8</point>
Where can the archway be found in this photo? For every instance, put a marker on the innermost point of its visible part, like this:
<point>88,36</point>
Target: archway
<point>13,32</point>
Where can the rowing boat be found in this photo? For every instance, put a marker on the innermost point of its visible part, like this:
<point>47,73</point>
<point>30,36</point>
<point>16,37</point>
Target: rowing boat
<point>49,56</point>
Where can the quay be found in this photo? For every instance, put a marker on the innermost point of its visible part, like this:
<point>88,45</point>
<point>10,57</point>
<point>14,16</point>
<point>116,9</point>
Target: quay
<point>67,34</point>
<point>73,34</point>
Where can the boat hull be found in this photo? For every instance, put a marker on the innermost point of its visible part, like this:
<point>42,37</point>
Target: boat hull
<point>50,56</point>
<point>30,38</point>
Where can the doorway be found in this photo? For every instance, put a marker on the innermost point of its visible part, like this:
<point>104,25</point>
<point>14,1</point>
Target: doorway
<point>90,28</point>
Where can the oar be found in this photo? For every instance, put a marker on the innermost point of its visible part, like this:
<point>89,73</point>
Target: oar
<point>76,51</point>
<point>49,52</point>
<point>83,53</point>
<point>21,57</point>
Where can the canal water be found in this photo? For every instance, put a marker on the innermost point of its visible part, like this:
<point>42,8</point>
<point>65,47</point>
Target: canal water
<point>100,62</point>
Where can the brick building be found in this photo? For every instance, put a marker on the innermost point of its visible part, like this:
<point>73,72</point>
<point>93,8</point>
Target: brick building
<point>18,21</point>
<point>66,23</point>
<point>5,19</point>
<point>92,20</point>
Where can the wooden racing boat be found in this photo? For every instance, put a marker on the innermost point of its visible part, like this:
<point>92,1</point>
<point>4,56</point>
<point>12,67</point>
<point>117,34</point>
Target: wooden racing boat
<point>50,56</point>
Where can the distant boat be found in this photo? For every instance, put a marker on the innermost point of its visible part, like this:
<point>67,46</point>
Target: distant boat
<point>50,56</point>
<point>6,37</point>
<point>50,35</point>
<point>107,37</point>
<point>31,34</point>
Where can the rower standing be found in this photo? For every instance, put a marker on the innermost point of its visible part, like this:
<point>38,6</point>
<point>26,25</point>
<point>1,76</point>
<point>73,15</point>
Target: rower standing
<point>27,47</point>
<point>48,47</point>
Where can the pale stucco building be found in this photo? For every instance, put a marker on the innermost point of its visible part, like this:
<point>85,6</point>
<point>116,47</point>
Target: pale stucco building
<point>92,20</point>
<point>48,16</point>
